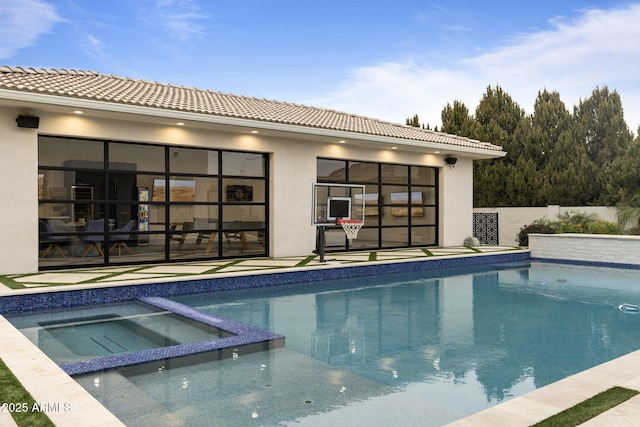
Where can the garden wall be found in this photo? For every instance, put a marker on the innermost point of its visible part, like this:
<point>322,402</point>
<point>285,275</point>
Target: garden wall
<point>599,248</point>
<point>511,220</point>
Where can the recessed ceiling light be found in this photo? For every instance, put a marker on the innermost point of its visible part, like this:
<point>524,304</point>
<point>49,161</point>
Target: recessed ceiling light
<point>254,131</point>
<point>342,141</point>
<point>180,124</point>
<point>78,112</point>
<point>394,148</point>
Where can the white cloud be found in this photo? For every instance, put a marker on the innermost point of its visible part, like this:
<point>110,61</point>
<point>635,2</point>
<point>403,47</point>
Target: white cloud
<point>597,48</point>
<point>22,22</point>
<point>180,18</point>
<point>93,47</point>
<point>396,91</point>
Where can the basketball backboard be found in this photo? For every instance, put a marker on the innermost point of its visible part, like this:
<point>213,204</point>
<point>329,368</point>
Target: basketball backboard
<point>332,202</point>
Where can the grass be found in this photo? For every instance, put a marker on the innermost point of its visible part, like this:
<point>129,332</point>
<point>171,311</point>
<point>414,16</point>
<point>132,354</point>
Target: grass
<point>10,283</point>
<point>14,394</point>
<point>588,409</point>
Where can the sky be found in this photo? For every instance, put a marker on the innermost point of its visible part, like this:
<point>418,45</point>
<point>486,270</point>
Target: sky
<point>383,59</point>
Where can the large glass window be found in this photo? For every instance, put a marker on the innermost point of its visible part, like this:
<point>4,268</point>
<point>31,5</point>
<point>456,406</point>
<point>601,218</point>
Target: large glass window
<point>141,157</point>
<point>193,160</point>
<point>402,203</point>
<point>364,172</point>
<point>104,202</point>
<point>395,174</point>
<point>330,170</point>
<point>243,164</point>
<point>61,151</point>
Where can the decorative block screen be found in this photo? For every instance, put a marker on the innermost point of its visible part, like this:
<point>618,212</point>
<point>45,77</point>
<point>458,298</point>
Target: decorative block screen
<point>485,228</point>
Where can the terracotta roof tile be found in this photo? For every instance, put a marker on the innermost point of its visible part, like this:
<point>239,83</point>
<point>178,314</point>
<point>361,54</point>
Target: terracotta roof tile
<point>112,89</point>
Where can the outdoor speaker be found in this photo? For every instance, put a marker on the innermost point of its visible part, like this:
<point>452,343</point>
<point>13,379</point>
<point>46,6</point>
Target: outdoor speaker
<point>28,121</point>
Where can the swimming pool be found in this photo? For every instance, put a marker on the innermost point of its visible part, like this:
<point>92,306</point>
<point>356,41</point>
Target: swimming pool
<point>405,349</point>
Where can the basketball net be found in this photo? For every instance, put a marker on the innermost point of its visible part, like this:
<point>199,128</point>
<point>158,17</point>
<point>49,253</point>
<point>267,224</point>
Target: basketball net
<point>351,227</point>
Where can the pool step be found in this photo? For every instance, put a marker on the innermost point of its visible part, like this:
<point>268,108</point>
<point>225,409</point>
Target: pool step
<point>243,336</point>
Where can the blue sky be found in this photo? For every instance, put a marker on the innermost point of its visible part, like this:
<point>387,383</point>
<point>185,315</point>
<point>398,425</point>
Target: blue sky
<point>387,60</point>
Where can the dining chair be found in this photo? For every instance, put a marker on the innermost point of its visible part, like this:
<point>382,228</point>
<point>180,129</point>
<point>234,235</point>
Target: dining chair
<point>120,240</point>
<point>206,231</point>
<point>47,228</point>
<point>95,241</point>
<point>180,235</point>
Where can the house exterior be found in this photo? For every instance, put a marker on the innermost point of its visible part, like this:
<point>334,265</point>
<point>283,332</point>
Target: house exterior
<point>104,170</point>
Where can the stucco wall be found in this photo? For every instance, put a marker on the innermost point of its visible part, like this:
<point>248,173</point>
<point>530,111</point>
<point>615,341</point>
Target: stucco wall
<point>586,247</point>
<point>293,171</point>
<point>511,220</point>
<point>456,195</point>
<point>18,195</point>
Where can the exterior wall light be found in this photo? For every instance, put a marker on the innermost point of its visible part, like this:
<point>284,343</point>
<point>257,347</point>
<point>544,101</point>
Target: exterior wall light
<point>451,161</point>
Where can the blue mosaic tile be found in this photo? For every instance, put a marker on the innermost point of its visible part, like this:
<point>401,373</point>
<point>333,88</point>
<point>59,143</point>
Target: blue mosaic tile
<point>163,353</point>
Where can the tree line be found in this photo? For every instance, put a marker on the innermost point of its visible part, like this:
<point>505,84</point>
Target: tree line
<point>554,156</point>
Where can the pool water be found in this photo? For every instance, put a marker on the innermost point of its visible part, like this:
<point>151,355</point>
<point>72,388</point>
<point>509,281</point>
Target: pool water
<point>419,349</point>
<point>104,335</point>
<point>88,333</point>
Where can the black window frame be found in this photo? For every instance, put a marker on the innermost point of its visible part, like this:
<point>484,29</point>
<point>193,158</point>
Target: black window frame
<point>103,204</point>
<point>382,181</point>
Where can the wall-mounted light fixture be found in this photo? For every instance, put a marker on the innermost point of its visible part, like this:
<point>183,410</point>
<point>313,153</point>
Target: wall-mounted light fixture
<point>451,161</point>
<point>28,121</point>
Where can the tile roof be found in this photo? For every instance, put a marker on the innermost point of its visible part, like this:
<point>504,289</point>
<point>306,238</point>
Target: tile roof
<point>94,86</point>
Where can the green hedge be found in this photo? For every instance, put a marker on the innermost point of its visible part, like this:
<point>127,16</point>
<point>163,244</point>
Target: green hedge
<point>569,222</point>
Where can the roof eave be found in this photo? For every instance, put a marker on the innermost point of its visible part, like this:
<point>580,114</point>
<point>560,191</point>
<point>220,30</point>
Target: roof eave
<point>65,101</point>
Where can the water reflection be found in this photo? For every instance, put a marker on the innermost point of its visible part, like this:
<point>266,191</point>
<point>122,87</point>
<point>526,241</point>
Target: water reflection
<point>445,346</point>
<point>490,323</point>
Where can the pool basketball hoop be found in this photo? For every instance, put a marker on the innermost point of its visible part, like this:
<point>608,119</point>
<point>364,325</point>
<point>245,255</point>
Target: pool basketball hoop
<point>351,227</point>
<point>336,205</point>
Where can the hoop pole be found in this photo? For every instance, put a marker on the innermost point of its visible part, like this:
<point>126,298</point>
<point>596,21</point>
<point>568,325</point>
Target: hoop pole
<point>321,242</point>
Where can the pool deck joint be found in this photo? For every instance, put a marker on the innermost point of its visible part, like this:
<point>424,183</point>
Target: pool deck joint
<point>51,279</point>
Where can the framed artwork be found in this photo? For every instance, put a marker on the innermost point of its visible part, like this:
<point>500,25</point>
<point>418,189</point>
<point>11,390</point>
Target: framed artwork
<point>159,190</point>
<point>239,193</point>
<point>181,190</point>
<point>58,193</point>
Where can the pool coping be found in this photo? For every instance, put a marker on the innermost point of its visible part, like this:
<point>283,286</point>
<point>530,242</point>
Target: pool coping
<point>68,402</point>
